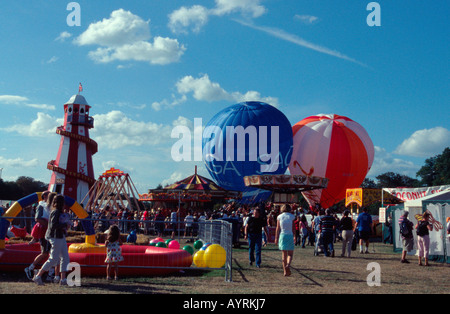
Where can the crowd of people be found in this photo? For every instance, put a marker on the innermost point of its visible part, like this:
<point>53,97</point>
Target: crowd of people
<point>52,222</point>
<point>323,229</point>
<point>292,228</point>
<point>423,228</point>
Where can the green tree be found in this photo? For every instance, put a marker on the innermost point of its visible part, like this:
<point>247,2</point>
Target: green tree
<point>23,186</point>
<point>392,180</point>
<point>368,184</point>
<point>436,170</point>
<point>28,185</point>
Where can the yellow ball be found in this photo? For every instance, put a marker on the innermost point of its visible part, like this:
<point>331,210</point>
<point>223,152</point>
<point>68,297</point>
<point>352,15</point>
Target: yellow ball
<point>215,256</point>
<point>199,260</point>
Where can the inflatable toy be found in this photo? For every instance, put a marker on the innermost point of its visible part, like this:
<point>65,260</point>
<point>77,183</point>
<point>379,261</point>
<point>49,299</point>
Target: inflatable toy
<point>161,244</point>
<point>174,244</point>
<point>168,241</point>
<point>215,256</point>
<point>90,256</point>
<point>19,232</point>
<point>189,249</point>
<point>73,205</point>
<point>334,147</point>
<point>205,246</point>
<point>246,139</point>
<point>199,259</point>
<point>198,244</point>
<point>15,257</point>
<point>132,237</point>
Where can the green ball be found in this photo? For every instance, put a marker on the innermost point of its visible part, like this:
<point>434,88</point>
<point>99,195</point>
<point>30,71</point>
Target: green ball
<point>168,241</point>
<point>152,244</point>
<point>189,249</point>
<point>198,244</point>
<point>161,244</point>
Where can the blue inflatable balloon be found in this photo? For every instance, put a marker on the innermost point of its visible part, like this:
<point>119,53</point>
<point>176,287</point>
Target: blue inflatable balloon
<point>249,138</point>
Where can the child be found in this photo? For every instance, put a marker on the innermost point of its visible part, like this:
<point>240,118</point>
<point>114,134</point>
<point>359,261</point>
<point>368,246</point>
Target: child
<point>41,217</point>
<point>56,236</point>
<point>64,220</point>
<point>113,252</point>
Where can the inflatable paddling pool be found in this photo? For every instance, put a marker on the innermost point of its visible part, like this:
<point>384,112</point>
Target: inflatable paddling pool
<point>138,260</point>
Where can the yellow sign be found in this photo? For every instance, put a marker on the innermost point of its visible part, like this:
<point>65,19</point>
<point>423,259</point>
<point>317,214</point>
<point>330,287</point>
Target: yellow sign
<point>354,196</point>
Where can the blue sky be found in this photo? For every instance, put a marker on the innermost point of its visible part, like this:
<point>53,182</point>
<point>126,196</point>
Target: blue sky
<point>147,66</point>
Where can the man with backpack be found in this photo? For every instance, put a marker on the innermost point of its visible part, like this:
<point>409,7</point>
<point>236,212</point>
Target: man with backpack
<point>406,227</point>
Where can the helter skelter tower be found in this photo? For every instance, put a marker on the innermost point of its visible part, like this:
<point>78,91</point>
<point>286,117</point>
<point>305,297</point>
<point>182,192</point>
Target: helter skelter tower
<point>72,171</point>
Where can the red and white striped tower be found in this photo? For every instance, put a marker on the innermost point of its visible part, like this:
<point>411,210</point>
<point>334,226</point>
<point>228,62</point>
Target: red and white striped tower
<point>73,172</point>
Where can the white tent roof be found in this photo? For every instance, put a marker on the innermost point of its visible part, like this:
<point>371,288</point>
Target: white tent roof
<point>418,202</point>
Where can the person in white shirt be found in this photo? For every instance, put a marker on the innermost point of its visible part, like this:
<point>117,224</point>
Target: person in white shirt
<point>174,220</point>
<point>284,237</point>
<point>42,216</point>
<point>189,219</point>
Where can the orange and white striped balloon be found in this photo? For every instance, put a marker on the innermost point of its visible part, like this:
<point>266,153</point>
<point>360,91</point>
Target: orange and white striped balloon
<point>334,147</point>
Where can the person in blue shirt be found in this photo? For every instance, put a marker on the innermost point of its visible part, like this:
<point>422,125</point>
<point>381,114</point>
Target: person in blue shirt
<point>364,227</point>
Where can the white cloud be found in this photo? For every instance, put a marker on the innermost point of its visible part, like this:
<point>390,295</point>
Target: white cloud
<point>306,19</point>
<point>41,106</point>
<point>183,121</point>
<point>167,104</point>
<point>52,60</point>
<point>106,165</point>
<point>124,36</point>
<point>385,162</point>
<point>41,127</point>
<point>174,177</point>
<point>22,101</point>
<point>121,28</point>
<point>246,7</point>
<point>204,89</point>
<point>425,143</point>
<point>195,17</point>
<point>115,130</point>
<point>183,18</point>
<point>63,36</point>
<point>12,99</point>
<point>18,163</point>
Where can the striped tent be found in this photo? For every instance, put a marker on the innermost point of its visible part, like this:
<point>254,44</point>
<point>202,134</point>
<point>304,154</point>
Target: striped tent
<point>195,183</point>
<point>194,188</point>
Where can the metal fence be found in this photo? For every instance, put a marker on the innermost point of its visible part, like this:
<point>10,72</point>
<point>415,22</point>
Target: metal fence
<point>209,232</point>
<point>220,232</point>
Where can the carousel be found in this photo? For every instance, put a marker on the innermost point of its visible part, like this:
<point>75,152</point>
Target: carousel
<point>194,190</point>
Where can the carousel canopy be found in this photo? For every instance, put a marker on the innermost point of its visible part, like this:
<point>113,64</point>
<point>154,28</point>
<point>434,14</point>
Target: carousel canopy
<point>194,183</point>
<point>193,188</point>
